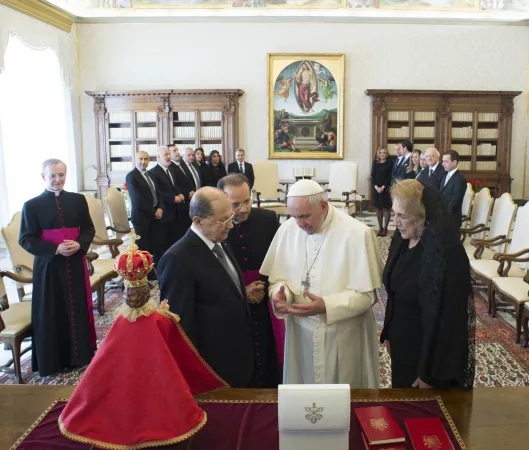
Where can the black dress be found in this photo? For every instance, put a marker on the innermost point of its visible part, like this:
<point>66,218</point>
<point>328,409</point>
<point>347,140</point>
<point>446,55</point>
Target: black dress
<point>216,173</point>
<point>381,176</point>
<point>430,316</point>
<point>405,328</point>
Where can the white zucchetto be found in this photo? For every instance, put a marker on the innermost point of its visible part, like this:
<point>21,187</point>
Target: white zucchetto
<point>302,188</point>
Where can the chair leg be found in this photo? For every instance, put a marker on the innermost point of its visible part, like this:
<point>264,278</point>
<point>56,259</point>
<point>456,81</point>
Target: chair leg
<point>101,299</point>
<point>526,331</point>
<point>15,349</point>
<point>519,313</point>
<point>492,303</point>
<point>490,293</point>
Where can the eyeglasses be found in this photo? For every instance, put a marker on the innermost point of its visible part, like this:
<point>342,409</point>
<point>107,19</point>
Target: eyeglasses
<point>237,206</point>
<point>225,223</point>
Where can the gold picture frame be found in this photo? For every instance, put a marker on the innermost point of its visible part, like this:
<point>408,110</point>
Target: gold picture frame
<point>450,5</point>
<point>309,4</point>
<point>169,4</point>
<point>306,105</point>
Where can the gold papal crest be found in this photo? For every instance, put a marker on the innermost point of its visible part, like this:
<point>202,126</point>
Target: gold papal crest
<point>431,442</point>
<point>379,424</point>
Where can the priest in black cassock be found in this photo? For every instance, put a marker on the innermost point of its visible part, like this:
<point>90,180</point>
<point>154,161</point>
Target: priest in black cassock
<point>57,229</point>
<point>249,239</point>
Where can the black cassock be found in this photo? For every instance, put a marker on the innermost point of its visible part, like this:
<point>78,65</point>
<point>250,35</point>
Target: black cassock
<point>250,241</point>
<point>62,329</point>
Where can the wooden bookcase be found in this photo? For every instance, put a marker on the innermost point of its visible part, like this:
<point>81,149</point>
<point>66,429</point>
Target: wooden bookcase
<point>130,121</point>
<point>477,124</point>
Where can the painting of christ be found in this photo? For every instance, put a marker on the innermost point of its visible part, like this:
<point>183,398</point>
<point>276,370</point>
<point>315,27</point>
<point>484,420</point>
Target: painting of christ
<point>306,106</point>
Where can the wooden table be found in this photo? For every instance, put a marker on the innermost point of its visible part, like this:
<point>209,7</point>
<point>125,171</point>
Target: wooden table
<point>487,419</point>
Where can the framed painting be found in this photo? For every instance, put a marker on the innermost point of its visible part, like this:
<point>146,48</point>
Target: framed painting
<point>429,4</point>
<point>305,105</point>
<point>181,3</point>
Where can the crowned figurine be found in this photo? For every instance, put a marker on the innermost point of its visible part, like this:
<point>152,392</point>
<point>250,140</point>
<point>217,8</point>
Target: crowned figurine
<point>138,390</point>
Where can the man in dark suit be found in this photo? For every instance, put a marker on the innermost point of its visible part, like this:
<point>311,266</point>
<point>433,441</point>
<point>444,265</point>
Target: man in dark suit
<point>240,166</point>
<point>404,170</point>
<point>187,185</point>
<point>435,171</point>
<point>253,232</point>
<point>453,185</point>
<point>146,208</point>
<point>170,195</point>
<point>202,281</point>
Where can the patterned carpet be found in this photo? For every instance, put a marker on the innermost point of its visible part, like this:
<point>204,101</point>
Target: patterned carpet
<point>500,362</point>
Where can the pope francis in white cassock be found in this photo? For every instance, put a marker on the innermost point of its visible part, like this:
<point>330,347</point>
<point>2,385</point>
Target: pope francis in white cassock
<point>323,268</point>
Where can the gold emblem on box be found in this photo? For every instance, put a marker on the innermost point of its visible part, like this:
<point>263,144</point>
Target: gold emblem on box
<point>431,442</point>
<point>313,413</point>
<point>379,424</point>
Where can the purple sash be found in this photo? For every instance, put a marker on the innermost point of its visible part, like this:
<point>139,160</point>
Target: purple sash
<point>58,236</point>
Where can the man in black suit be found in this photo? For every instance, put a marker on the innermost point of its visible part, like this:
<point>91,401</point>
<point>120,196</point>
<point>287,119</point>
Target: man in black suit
<point>253,232</point>
<point>170,195</point>
<point>435,172</point>
<point>404,169</point>
<point>453,185</point>
<point>240,166</point>
<point>146,208</point>
<point>202,281</point>
<point>187,185</point>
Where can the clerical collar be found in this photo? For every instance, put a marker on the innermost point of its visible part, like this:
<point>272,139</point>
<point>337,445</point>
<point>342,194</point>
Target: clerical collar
<point>56,193</point>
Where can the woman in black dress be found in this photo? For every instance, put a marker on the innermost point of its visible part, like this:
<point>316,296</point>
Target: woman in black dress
<point>381,181</point>
<point>429,328</point>
<point>216,168</point>
<point>201,166</point>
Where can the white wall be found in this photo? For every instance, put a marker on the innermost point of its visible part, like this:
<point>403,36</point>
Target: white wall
<point>233,55</point>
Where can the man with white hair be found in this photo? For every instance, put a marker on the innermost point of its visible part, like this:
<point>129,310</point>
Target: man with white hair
<point>433,174</point>
<point>323,267</point>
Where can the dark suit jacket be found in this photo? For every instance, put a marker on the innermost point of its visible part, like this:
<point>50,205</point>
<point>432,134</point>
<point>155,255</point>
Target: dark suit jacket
<point>166,191</point>
<point>185,184</point>
<point>454,192</point>
<point>248,171</point>
<point>142,209</point>
<point>435,179</point>
<point>212,311</point>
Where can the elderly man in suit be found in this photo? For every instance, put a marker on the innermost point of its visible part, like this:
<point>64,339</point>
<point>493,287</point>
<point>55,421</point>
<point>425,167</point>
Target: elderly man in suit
<point>241,166</point>
<point>433,174</point>
<point>146,208</point>
<point>453,185</point>
<point>203,283</point>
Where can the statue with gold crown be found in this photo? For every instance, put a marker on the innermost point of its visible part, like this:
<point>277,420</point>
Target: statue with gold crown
<point>138,390</point>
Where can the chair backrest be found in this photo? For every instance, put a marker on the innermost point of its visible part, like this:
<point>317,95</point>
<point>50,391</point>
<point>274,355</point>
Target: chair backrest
<point>343,177</point>
<point>17,255</point>
<point>467,201</point>
<point>266,180</point>
<point>117,211</point>
<point>97,214</point>
<point>501,222</point>
<point>481,210</point>
<point>520,234</point>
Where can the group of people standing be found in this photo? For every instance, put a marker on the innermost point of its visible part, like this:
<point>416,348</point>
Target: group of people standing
<point>414,164</point>
<point>161,196</point>
<point>255,297</point>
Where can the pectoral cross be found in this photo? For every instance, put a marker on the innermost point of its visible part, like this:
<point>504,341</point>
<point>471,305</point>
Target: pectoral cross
<point>306,283</point>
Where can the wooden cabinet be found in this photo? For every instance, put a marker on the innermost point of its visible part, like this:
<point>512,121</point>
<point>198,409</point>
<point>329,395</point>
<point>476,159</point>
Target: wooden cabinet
<point>131,121</point>
<point>477,124</point>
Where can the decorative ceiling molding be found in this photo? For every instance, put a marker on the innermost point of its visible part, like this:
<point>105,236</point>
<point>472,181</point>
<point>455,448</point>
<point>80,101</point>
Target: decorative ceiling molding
<point>44,12</point>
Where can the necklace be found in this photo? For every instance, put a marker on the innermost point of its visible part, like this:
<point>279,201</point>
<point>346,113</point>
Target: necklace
<point>306,282</point>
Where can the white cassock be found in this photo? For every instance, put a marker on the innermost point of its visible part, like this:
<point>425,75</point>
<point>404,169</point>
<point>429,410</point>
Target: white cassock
<point>340,346</point>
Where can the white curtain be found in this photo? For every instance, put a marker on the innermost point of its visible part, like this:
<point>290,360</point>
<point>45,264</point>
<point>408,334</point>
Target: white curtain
<point>36,115</point>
